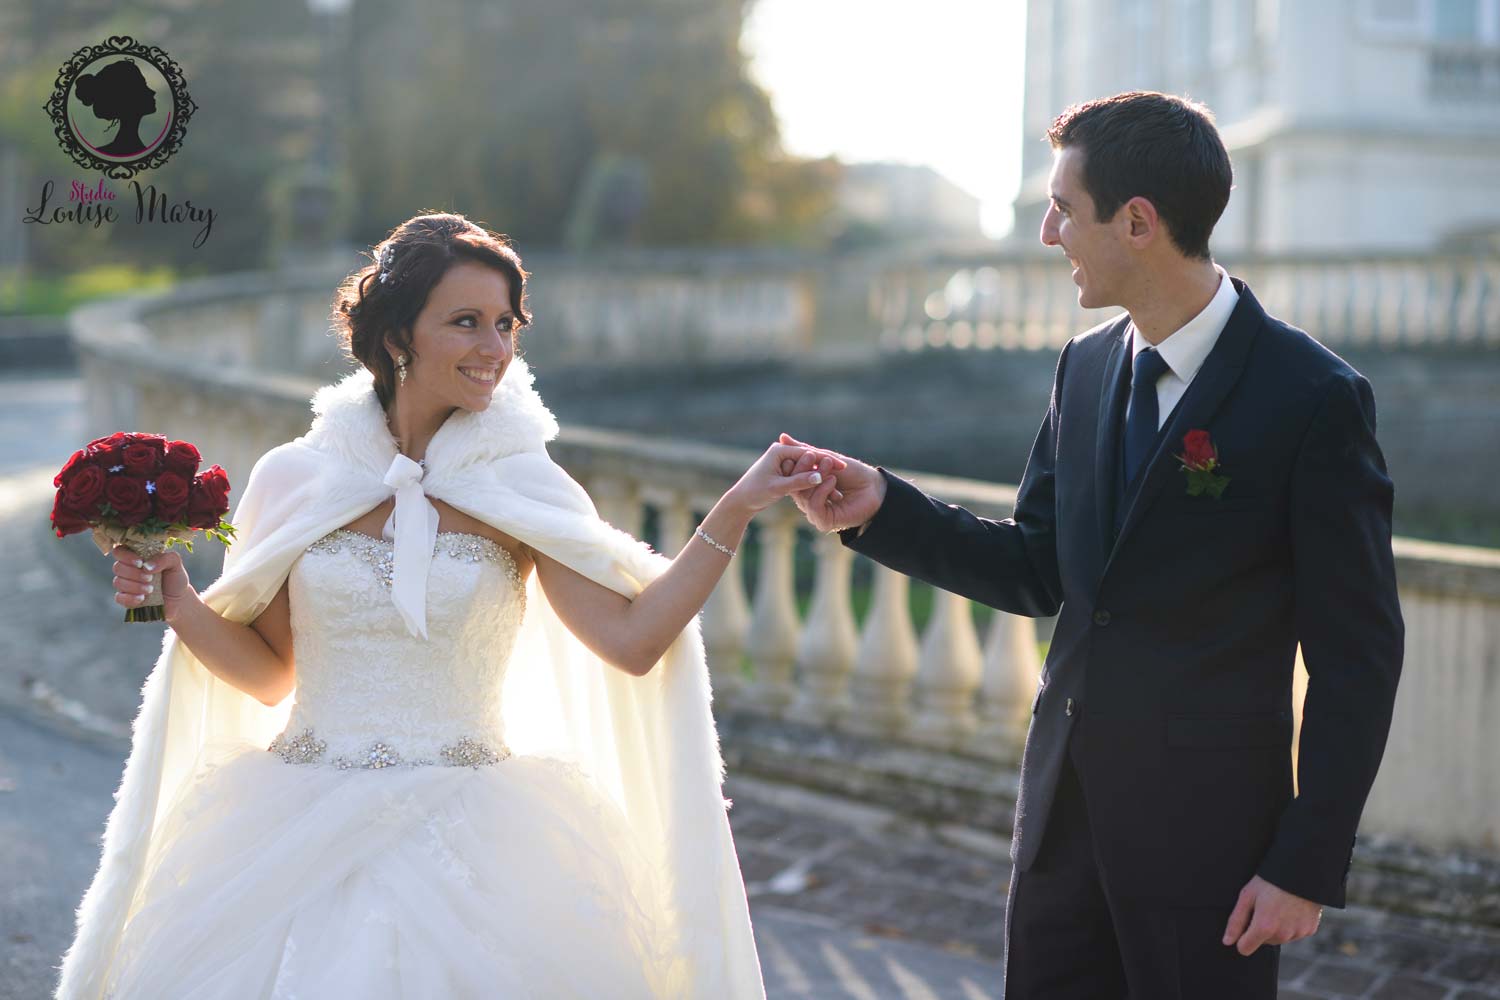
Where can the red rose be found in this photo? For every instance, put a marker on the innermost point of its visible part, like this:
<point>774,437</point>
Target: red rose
<point>128,496</point>
<point>172,493</point>
<point>79,460</point>
<point>80,494</point>
<point>142,456</point>
<point>107,446</point>
<point>208,500</point>
<point>1197,449</point>
<point>201,512</point>
<point>66,521</point>
<point>182,457</point>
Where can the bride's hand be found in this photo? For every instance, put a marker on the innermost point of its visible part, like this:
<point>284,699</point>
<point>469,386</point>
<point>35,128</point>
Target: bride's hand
<point>132,580</point>
<point>781,471</point>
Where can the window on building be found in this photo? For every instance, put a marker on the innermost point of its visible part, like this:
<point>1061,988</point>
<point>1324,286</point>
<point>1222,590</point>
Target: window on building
<point>1463,63</point>
<point>1394,20</point>
<point>1455,20</point>
<point>1393,15</point>
<point>1444,22</point>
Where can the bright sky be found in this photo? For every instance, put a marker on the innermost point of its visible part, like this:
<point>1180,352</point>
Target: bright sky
<point>936,82</point>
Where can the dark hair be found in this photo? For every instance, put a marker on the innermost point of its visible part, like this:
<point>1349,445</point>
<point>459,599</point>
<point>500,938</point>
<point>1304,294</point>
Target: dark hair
<point>420,251</point>
<point>1156,146</point>
<point>117,91</point>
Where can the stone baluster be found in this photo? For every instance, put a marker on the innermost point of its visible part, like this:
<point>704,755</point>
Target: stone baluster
<point>772,643</point>
<point>826,650</point>
<point>675,517</point>
<point>1486,312</point>
<point>886,661</point>
<point>1393,292</point>
<point>674,523</point>
<point>726,624</point>
<point>618,502</point>
<point>1468,319</point>
<point>726,613</point>
<point>1007,685</point>
<point>948,675</point>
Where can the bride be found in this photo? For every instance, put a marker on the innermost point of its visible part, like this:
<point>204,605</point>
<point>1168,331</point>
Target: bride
<point>437,730</point>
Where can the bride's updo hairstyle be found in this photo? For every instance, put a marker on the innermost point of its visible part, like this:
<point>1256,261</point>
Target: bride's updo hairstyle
<point>383,298</point>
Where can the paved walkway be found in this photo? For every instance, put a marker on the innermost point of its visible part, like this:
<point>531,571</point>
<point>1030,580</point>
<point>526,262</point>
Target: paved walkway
<point>894,880</point>
<point>849,901</point>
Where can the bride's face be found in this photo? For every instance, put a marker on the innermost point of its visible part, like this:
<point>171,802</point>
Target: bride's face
<point>465,332</point>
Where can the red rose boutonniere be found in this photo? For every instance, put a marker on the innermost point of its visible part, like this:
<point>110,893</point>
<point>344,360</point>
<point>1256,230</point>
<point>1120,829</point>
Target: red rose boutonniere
<point>1199,459</point>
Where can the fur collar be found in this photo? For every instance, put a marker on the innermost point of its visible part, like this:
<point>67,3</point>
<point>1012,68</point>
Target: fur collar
<point>348,421</point>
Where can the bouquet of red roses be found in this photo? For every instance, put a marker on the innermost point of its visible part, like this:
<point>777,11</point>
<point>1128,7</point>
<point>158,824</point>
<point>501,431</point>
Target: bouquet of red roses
<point>144,492</point>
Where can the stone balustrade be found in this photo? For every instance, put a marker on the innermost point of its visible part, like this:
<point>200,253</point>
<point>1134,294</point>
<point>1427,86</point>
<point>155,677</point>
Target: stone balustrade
<point>728,306</point>
<point>1445,302</point>
<point>949,684</point>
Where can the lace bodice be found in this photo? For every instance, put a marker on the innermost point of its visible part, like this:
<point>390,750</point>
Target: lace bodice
<point>371,694</point>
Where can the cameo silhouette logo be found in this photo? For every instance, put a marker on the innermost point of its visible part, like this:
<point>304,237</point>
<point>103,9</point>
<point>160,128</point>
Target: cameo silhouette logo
<point>119,108</point>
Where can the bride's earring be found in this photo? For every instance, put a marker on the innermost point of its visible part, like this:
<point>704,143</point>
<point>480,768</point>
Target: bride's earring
<point>401,368</point>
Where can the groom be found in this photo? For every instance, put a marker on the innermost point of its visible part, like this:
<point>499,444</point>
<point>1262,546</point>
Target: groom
<point>1158,851</point>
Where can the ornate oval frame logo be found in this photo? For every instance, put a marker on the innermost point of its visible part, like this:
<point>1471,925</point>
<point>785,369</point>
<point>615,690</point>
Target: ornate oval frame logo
<point>118,92</point>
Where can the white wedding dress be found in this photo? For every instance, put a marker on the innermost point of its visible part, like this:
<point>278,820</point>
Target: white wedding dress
<point>387,844</point>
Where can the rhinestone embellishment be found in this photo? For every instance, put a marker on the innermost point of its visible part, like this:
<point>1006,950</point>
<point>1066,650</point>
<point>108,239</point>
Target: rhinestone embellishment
<point>380,755</point>
<point>302,749</point>
<point>305,748</point>
<point>469,752</point>
<point>380,553</point>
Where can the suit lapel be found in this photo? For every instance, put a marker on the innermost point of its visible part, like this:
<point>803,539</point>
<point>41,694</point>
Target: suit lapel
<point>1106,453</point>
<point>1221,369</point>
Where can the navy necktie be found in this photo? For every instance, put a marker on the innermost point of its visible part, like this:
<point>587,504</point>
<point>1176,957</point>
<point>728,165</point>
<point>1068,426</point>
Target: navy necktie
<point>1142,417</point>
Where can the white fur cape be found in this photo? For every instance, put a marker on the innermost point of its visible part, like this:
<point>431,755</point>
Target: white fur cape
<point>649,741</point>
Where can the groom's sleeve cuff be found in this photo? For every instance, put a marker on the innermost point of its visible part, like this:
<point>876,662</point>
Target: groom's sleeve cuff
<point>858,537</point>
<point>1316,869</point>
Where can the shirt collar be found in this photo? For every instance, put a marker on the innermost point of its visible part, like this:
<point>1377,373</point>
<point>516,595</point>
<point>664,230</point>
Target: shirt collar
<point>1186,348</point>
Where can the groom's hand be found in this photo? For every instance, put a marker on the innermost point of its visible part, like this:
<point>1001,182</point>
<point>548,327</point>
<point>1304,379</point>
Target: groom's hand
<point>849,498</point>
<point>1268,915</point>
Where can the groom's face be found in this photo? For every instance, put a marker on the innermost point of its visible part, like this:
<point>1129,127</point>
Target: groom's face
<point>1100,259</point>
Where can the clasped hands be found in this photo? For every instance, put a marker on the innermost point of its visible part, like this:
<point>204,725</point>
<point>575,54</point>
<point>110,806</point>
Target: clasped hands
<point>848,492</point>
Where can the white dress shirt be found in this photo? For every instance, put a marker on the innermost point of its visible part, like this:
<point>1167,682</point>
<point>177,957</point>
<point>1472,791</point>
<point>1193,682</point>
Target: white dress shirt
<point>1185,348</point>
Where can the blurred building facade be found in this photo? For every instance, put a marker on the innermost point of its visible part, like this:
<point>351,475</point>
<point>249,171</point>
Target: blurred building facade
<point>1354,125</point>
<point>908,201</point>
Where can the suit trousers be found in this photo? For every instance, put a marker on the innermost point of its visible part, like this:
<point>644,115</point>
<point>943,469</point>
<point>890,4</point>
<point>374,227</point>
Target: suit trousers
<point>1069,938</point>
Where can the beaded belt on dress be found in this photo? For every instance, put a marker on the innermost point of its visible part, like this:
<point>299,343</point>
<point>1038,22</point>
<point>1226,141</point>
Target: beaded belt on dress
<point>308,749</point>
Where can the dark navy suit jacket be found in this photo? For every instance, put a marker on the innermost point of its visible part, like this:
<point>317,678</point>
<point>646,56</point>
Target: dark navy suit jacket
<point>1177,638</point>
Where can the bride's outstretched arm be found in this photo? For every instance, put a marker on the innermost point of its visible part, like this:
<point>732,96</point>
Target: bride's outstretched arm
<point>633,634</point>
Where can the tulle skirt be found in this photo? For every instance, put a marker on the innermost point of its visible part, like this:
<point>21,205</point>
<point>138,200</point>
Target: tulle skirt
<point>270,880</point>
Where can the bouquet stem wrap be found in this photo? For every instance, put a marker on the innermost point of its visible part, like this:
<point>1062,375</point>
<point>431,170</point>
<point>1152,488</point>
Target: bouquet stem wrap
<point>144,545</point>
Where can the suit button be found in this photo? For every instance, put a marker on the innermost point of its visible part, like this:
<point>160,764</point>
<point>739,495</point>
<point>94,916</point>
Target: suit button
<point>1068,708</point>
<point>1101,617</point>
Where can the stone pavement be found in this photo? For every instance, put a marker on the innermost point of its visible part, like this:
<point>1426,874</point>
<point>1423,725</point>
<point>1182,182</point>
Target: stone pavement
<point>880,873</point>
<point>849,900</point>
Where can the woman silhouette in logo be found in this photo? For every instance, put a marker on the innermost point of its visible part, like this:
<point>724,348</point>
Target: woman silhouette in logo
<point>118,94</point>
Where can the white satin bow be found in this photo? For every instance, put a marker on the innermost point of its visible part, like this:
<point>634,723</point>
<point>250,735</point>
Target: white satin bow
<point>413,528</point>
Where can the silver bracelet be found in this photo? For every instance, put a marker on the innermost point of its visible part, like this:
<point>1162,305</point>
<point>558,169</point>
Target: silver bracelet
<point>704,535</point>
